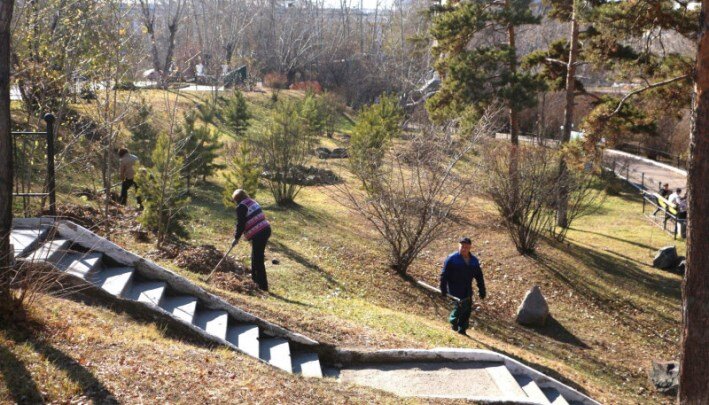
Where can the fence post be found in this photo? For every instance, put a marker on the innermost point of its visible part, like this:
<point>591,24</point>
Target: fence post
<point>642,180</point>
<point>627,172</point>
<point>613,167</point>
<point>51,184</point>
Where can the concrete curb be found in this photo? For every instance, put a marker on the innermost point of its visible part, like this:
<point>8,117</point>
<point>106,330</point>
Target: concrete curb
<point>352,357</point>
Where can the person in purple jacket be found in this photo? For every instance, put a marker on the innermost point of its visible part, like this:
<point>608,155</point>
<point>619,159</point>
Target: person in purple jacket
<point>252,224</point>
<point>459,270</point>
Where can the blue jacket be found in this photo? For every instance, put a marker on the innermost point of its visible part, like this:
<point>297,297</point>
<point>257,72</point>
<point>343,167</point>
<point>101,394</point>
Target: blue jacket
<point>457,277</point>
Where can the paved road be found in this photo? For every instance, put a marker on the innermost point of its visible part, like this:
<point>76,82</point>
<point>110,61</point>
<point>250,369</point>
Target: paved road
<point>632,166</point>
<point>642,171</point>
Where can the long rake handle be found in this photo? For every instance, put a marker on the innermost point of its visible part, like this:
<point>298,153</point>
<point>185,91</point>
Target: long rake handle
<point>218,264</point>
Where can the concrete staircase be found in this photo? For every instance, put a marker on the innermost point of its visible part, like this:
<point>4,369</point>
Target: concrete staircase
<point>97,268</point>
<point>92,262</point>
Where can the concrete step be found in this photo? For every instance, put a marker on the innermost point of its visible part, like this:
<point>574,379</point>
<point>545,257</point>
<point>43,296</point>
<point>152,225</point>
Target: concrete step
<point>554,396</point>
<point>504,380</point>
<point>149,292</point>
<point>245,337</point>
<point>113,280</point>
<point>214,322</point>
<point>182,306</point>
<point>307,365</point>
<point>80,264</point>
<point>531,389</point>
<point>50,251</point>
<point>277,353</point>
<point>26,240</point>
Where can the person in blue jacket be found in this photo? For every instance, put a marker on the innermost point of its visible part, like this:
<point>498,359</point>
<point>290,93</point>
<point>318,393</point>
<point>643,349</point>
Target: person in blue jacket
<point>459,270</point>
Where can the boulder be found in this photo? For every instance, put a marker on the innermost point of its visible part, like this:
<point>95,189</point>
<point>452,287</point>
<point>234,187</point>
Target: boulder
<point>666,258</point>
<point>534,309</point>
<point>665,376</point>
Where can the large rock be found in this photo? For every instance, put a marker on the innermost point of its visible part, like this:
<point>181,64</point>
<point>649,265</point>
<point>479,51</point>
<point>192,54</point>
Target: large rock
<point>666,258</point>
<point>534,309</point>
<point>665,376</point>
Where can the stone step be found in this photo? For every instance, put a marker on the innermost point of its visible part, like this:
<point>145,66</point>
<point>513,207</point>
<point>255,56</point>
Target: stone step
<point>554,396</point>
<point>181,306</point>
<point>149,292</point>
<point>50,251</point>
<point>531,389</point>
<point>245,337</point>
<point>307,365</point>
<point>80,264</point>
<point>504,380</point>
<point>276,352</point>
<point>113,280</point>
<point>212,321</point>
<point>26,240</point>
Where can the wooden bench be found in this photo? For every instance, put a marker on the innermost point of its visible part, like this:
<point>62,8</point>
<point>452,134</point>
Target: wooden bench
<point>669,210</point>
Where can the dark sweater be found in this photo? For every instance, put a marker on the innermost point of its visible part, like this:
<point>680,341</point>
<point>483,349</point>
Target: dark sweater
<point>457,277</point>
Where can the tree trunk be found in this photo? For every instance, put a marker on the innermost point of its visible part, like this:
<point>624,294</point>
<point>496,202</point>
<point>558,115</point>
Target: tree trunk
<point>563,197</point>
<point>694,367</point>
<point>6,254</point>
<point>514,121</point>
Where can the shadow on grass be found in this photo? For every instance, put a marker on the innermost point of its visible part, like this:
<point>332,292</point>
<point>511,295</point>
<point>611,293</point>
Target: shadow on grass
<point>20,382</point>
<point>606,271</point>
<point>288,300</point>
<point>555,330</point>
<point>638,244</point>
<point>305,262</point>
<point>18,379</point>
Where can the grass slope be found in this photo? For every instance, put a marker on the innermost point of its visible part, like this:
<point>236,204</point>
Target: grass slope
<point>612,312</point>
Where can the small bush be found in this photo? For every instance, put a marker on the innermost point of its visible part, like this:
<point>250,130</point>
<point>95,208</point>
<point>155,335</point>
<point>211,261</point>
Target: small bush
<point>275,80</point>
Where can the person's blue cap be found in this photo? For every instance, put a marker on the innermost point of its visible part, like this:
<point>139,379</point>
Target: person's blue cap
<point>465,240</point>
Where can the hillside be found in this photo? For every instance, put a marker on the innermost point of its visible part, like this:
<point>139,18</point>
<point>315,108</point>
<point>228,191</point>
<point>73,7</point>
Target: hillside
<point>613,313</point>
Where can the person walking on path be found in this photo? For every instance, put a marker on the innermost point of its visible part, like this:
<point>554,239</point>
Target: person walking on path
<point>459,270</point>
<point>126,172</point>
<point>252,224</point>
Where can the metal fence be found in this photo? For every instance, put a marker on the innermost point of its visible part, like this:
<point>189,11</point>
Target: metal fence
<point>49,187</point>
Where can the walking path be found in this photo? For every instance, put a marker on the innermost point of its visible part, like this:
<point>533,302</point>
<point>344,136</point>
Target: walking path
<point>642,172</point>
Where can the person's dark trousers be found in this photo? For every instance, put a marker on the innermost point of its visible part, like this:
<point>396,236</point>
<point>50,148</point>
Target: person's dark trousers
<point>460,317</point>
<point>258,249</point>
<point>125,185</point>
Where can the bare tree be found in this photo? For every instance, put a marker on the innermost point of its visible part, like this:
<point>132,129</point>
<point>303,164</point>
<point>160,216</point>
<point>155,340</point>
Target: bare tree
<point>694,368</point>
<point>173,11</point>
<point>411,196</point>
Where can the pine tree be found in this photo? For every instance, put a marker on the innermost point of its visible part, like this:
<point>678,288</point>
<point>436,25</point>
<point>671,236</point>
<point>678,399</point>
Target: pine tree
<point>313,113</point>
<point>243,171</point>
<point>198,147</point>
<point>144,135</point>
<point>376,126</point>
<point>477,73</point>
<point>163,192</point>
<point>236,115</point>
<point>694,366</point>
